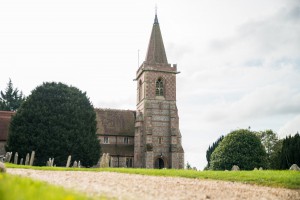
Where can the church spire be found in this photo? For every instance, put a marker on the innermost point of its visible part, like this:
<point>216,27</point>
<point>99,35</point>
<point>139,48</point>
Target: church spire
<point>156,51</point>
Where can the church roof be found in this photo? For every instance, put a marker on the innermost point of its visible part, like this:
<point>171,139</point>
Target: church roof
<point>156,51</point>
<point>115,122</point>
<point>5,117</point>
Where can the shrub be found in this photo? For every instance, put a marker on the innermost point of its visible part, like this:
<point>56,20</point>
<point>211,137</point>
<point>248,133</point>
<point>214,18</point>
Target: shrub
<point>56,120</point>
<point>240,147</point>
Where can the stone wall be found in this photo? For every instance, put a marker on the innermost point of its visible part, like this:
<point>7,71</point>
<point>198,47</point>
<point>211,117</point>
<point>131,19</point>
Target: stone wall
<point>2,147</point>
<point>157,135</point>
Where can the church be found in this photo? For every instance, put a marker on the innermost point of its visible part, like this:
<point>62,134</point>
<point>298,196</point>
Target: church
<point>148,137</point>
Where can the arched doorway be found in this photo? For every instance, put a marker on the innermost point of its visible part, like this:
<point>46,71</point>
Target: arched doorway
<point>159,163</point>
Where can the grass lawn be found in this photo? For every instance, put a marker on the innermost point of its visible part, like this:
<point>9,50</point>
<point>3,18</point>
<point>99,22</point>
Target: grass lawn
<point>273,178</point>
<point>20,188</point>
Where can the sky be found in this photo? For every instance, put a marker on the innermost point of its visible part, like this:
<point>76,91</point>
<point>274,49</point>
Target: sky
<point>239,60</point>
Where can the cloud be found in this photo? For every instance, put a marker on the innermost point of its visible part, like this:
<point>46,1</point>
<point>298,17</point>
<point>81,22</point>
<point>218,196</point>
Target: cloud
<point>263,41</point>
<point>290,128</point>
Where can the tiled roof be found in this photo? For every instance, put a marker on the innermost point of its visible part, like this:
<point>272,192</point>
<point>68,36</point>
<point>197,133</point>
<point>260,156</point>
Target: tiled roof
<point>115,122</point>
<point>156,51</point>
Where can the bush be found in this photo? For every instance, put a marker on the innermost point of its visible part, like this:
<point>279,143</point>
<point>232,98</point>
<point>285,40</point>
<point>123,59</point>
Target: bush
<point>240,147</point>
<point>211,149</point>
<point>290,152</point>
<point>55,121</point>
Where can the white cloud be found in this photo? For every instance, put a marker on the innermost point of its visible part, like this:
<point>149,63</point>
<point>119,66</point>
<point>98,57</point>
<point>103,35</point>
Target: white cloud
<point>290,128</point>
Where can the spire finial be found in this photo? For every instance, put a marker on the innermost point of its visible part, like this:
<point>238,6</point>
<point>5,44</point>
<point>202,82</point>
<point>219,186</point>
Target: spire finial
<point>155,20</point>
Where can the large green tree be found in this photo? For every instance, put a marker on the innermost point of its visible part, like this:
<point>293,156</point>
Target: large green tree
<point>11,98</point>
<point>290,153</point>
<point>269,140</point>
<point>211,149</point>
<point>240,147</point>
<point>56,120</point>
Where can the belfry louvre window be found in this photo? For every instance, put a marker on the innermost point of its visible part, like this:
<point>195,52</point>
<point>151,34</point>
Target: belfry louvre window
<point>159,87</point>
<point>126,140</point>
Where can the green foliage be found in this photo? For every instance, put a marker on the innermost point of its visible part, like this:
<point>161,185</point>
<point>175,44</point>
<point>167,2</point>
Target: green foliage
<point>11,99</point>
<point>55,121</point>
<point>275,156</point>
<point>15,187</point>
<point>283,178</point>
<point>241,147</point>
<point>211,149</point>
<point>188,166</point>
<point>270,141</point>
<point>290,153</point>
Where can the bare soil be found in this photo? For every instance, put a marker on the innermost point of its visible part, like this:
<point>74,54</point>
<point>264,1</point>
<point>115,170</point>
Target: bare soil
<point>131,186</point>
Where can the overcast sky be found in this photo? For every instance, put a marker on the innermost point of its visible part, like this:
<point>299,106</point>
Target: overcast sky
<point>239,60</point>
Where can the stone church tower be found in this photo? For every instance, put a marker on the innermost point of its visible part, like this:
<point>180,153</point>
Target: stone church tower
<point>157,142</point>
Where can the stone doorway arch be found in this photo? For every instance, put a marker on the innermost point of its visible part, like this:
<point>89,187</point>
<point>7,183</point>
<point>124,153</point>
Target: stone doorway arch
<point>160,163</point>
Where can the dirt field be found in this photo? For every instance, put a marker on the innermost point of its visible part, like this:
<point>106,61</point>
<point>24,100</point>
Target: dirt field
<point>128,186</point>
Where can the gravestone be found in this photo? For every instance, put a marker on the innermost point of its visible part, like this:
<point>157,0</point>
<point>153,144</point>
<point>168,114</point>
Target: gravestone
<point>261,168</point>
<point>8,157</point>
<point>27,159</point>
<point>295,167</point>
<point>21,161</point>
<point>2,167</point>
<point>235,168</point>
<point>69,161</point>
<point>75,164</point>
<point>16,158</point>
<point>32,158</point>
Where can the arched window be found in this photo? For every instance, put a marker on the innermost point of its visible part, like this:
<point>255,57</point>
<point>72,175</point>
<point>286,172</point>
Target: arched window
<point>159,87</point>
<point>140,90</point>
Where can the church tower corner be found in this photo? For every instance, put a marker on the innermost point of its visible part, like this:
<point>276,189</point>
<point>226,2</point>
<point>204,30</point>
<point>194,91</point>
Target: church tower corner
<point>157,142</point>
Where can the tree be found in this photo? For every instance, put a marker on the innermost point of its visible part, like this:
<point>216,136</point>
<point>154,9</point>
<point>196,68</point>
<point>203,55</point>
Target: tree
<point>56,120</point>
<point>269,140</point>
<point>275,156</point>
<point>211,149</point>
<point>11,98</point>
<point>240,147</point>
<point>290,153</point>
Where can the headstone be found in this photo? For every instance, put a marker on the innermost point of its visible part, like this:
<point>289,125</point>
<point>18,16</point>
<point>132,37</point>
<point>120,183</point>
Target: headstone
<point>75,164</point>
<point>102,160</point>
<point>235,168</point>
<point>261,168</point>
<point>69,161</point>
<point>50,162</point>
<point>27,159</point>
<point>79,164</point>
<point>32,158</point>
<point>295,167</point>
<point>21,161</point>
<point>2,167</point>
<point>16,158</point>
<point>107,160</point>
<point>255,169</point>
<point>6,157</point>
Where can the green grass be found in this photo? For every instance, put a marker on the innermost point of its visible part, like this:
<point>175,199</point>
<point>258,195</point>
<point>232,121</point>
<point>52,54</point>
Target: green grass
<point>19,188</point>
<point>273,178</point>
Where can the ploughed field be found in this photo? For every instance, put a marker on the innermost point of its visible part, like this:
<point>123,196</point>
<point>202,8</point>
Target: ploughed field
<point>136,186</point>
